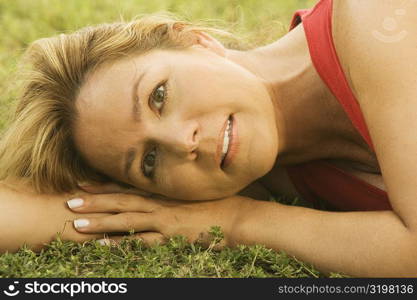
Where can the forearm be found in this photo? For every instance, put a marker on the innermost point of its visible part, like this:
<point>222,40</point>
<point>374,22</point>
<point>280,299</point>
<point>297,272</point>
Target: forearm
<point>34,220</point>
<point>356,243</point>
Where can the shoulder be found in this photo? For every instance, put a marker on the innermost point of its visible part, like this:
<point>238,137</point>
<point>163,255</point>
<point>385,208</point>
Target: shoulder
<point>376,41</point>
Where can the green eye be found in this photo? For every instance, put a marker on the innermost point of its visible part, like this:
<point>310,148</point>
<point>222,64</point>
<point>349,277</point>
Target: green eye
<point>148,163</point>
<point>158,97</point>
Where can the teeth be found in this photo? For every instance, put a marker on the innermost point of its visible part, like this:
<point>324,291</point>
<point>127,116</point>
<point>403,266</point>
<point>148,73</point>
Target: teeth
<point>226,139</point>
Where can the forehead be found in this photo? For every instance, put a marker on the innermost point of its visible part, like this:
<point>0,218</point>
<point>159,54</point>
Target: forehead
<point>104,106</point>
<point>113,80</point>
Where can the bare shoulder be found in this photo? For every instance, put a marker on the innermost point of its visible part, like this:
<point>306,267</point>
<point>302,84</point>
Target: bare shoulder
<point>376,41</point>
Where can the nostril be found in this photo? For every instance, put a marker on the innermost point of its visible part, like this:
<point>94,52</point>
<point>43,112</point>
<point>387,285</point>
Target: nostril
<point>194,155</point>
<point>194,146</point>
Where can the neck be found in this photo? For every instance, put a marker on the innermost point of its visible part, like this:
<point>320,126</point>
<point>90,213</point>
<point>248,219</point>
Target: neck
<point>296,91</point>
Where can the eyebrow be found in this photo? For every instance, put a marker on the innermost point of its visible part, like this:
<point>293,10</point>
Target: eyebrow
<point>135,98</point>
<point>131,153</point>
<point>130,157</point>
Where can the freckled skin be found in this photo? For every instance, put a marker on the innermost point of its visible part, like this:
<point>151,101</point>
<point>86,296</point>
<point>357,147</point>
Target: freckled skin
<point>204,89</point>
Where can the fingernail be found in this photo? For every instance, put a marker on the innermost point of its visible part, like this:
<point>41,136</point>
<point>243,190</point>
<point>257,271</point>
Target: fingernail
<point>83,183</point>
<point>80,223</point>
<point>104,242</point>
<point>74,203</point>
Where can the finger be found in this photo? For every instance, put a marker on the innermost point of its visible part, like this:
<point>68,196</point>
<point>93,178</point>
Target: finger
<point>110,188</point>
<point>123,222</point>
<point>148,238</point>
<point>112,203</point>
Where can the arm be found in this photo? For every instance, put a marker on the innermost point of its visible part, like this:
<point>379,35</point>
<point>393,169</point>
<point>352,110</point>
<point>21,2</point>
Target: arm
<point>356,243</point>
<point>365,244</point>
<point>26,217</point>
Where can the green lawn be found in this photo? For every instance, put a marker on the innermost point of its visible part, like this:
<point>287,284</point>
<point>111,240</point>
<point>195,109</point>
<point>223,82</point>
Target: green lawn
<point>22,21</point>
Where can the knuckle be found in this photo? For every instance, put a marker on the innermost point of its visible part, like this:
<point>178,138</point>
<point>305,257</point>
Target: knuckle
<point>161,219</point>
<point>120,204</point>
<point>128,221</point>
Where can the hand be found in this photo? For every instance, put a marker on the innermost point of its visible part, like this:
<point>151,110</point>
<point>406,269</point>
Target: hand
<point>155,219</point>
<point>35,219</point>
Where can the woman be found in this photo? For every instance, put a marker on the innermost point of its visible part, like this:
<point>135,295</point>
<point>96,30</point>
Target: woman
<point>165,112</point>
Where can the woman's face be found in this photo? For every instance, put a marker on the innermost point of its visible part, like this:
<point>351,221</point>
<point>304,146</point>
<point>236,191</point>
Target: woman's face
<point>158,121</point>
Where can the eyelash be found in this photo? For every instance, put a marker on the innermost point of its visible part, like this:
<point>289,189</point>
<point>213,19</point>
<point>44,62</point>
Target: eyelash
<point>153,151</point>
<point>143,167</point>
<point>165,99</point>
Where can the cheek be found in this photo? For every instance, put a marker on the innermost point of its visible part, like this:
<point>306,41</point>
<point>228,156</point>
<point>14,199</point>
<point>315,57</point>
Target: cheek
<point>212,88</point>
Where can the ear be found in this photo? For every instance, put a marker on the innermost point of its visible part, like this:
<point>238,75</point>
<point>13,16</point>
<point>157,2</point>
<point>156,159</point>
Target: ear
<point>207,41</point>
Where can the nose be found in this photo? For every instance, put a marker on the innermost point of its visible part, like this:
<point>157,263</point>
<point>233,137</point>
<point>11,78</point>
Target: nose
<point>181,139</point>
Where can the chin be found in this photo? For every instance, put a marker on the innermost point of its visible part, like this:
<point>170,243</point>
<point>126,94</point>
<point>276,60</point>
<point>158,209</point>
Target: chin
<point>263,166</point>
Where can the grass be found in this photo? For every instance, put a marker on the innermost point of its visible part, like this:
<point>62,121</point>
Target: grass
<point>131,259</point>
<point>23,21</point>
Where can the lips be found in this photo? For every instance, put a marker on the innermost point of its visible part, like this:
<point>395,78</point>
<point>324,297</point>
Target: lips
<point>226,138</point>
<point>227,144</point>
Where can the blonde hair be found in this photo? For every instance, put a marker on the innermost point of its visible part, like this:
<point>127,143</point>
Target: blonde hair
<point>38,143</point>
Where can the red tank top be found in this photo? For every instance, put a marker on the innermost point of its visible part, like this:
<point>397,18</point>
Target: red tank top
<point>319,179</point>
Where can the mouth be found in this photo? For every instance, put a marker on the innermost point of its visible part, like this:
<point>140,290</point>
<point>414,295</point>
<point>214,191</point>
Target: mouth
<point>228,142</point>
